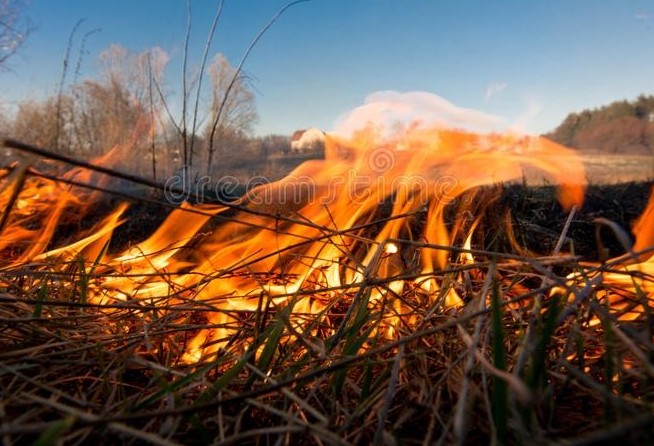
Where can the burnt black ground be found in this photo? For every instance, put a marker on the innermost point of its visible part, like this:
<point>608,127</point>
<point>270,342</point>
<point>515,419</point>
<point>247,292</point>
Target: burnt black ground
<point>538,219</point>
<point>535,215</point>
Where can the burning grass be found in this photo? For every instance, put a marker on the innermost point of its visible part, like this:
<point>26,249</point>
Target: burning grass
<point>496,368</point>
<point>544,345</point>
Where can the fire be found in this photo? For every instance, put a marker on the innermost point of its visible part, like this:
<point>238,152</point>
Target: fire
<point>644,230</point>
<point>624,284</point>
<point>373,212</point>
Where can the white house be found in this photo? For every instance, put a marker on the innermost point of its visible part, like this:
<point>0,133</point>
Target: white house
<point>310,140</point>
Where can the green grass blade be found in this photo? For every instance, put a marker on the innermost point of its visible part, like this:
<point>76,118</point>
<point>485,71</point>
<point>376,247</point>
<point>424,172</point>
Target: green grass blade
<point>547,326</point>
<point>271,344</point>
<point>83,281</point>
<point>41,297</point>
<point>225,379</point>
<point>500,394</point>
<point>169,388</point>
<point>52,435</point>
<point>609,358</point>
<point>351,348</point>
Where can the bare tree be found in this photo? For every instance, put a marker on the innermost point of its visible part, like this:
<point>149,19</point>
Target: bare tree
<point>105,115</point>
<point>14,28</point>
<point>92,116</point>
<point>107,110</point>
<point>36,122</point>
<point>233,109</point>
<point>133,71</point>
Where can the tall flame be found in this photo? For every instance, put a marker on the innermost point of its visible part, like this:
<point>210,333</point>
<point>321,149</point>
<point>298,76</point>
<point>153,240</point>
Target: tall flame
<point>309,239</point>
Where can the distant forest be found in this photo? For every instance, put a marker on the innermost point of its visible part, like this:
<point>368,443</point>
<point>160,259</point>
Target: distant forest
<point>620,127</point>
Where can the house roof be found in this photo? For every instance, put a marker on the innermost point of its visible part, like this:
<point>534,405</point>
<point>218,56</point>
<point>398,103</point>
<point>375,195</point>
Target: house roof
<point>297,135</point>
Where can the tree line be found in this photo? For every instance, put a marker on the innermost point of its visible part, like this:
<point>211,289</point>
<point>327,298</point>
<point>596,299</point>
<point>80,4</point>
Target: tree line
<point>621,127</point>
<point>201,129</point>
<point>87,117</point>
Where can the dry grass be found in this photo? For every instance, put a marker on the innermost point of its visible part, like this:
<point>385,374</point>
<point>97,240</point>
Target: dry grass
<point>603,169</point>
<point>530,358</point>
<point>491,371</point>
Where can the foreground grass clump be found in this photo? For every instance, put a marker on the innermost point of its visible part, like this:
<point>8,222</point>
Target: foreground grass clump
<point>531,358</point>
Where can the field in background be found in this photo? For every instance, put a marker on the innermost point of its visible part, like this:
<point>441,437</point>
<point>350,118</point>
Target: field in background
<point>607,169</point>
<point>600,168</point>
<point>611,169</point>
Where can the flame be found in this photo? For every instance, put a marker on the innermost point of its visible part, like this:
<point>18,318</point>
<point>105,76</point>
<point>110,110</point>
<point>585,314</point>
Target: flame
<point>627,283</point>
<point>305,242</point>
<point>644,230</point>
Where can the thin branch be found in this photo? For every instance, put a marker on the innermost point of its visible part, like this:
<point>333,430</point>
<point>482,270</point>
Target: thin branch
<point>205,55</point>
<point>188,161</point>
<point>62,80</point>
<point>152,133</point>
<point>239,70</point>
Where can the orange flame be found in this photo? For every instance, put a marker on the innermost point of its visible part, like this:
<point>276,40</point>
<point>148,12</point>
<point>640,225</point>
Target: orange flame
<point>306,240</point>
<point>628,285</point>
<point>644,229</point>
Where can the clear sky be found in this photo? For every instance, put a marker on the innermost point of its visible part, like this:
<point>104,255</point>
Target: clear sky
<point>530,62</point>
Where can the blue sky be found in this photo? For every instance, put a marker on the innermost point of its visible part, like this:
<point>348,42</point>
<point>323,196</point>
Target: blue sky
<point>530,62</point>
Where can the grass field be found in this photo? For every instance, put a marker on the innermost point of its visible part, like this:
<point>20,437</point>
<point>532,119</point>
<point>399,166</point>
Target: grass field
<point>610,169</point>
<point>552,343</point>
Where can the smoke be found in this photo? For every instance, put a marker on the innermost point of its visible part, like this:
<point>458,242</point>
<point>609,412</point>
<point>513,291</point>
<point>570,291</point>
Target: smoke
<point>532,109</point>
<point>494,88</point>
<point>387,110</point>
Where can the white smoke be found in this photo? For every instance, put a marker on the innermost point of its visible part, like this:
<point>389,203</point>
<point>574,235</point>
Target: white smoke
<point>387,110</point>
<point>494,88</point>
